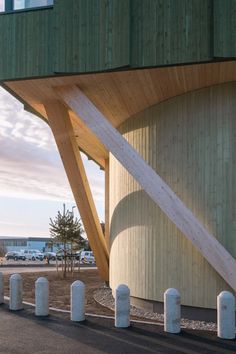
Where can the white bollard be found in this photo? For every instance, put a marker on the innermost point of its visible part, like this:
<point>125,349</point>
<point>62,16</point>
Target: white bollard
<point>15,302</point>
<point>226,315</point>
<point>1,289</point>
<point>77,301</point>
<point>41,297</point>
<point>172,311</point>
<point>122,306</point>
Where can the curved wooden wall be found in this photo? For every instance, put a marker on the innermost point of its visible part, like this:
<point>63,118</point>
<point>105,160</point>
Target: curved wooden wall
<point>190,140</point>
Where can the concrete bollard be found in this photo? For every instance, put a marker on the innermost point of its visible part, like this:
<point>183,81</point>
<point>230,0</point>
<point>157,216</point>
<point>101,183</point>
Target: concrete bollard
<point>41,297</point>
<point>1,289</point>
<point>172,311</point>
<point>122,306</point>
<point>226,315</point>
<point>77,301</point>
<point>15,302</point>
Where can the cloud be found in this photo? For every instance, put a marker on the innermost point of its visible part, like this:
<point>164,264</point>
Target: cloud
<point>30,166</point>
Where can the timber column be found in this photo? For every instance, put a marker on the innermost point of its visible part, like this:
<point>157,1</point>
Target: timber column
<point>62,129</point>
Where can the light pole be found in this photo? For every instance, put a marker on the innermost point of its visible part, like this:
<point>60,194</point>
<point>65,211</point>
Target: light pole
<point>74,206</point>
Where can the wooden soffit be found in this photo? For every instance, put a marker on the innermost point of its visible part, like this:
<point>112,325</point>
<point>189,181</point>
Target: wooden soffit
<point>119,95</point>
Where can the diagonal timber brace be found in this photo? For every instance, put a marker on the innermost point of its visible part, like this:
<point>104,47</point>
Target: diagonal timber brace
<point>62,129</point>
<point>219,258</point>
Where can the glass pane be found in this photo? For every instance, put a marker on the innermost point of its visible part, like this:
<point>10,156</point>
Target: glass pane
<point>19,4</point>
<point>27,4</point>
<point>38,3</point>
<point>2,5</point>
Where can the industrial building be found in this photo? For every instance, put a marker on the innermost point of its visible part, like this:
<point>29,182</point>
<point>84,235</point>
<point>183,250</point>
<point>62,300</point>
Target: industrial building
<point>43,244</point>
<point>147,90</point>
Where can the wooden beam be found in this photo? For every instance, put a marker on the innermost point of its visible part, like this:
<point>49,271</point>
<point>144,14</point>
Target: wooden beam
<point>62,129</point>
<point>220,259</point>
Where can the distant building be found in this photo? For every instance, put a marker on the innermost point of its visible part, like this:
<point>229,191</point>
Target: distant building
<point>43,244</point>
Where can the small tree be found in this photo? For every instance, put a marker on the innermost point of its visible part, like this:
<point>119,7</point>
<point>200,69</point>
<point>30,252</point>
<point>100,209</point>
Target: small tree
<point>3,249</point>
<point>67,230</point>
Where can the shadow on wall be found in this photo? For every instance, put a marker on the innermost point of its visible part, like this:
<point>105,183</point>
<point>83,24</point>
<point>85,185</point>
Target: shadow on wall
<point>190,141</point>
<point>137,209</point>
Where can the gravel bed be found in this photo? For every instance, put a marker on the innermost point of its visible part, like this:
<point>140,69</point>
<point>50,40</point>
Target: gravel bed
<point>104,297</point>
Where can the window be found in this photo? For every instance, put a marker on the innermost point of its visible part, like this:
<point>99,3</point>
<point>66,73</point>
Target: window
<point>27,4</point>
<point>15,243</point>
<point>14,5</point>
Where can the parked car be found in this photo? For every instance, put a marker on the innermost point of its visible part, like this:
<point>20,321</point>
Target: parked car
<point>87,257</point>
<point>31,255</point>
<point>80,254</point>
<point>50,255</point>
<point>77,255</point>
<point>11,255</point>
<point>20,257</point>
<point>61,255</point>
<point>37,255</point>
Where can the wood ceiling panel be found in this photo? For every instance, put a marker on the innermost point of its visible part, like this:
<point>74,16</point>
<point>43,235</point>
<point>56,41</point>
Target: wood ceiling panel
<point>119,95</point>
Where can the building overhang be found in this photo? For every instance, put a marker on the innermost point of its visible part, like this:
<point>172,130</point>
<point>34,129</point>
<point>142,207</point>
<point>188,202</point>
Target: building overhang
<point>120,94</point>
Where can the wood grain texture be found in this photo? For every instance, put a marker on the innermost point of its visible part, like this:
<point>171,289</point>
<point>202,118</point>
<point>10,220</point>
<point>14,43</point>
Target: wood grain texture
<point>190,141</point>
<point>182,217</point>
<point>79,36</point>
<point>123,94</point>
<point>26,44</point>
<point>91,35</point>
<point>170,31</point>
<point>62,129</point>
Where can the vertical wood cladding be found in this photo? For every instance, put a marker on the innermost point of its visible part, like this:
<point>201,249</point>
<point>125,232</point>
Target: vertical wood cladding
<point>105,34</point>
<point>97,35</point>
<point>224,28</point>
<point>26,44</point>
<point>92,35</point>
<point>190,141</point>
<point>170,31</point>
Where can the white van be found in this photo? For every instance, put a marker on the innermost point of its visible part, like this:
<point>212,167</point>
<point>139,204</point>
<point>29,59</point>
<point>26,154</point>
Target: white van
<point>32,255</point>
<point>87,257</point>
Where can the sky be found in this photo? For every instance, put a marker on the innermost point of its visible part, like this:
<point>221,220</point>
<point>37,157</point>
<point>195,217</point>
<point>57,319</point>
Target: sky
<point>33,183</point>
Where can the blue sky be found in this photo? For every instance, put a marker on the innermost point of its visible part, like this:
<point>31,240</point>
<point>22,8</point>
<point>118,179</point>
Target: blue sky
<point>33,184</point>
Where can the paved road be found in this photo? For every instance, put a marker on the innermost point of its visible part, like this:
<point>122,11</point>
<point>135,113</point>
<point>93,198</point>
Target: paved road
<point>34,269</point>
<point>22,333</point>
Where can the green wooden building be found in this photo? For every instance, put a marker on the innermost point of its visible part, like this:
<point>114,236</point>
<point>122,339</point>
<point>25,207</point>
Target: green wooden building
<point>147,89</point>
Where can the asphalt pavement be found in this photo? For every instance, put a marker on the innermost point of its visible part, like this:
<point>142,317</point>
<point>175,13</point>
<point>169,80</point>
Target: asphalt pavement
<point>23,333</point>
<point>35,268</point>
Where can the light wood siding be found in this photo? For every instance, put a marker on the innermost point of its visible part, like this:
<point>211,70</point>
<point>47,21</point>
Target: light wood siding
<point>190,141</point>
<point>224,28</point>
<point>26,44</point>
